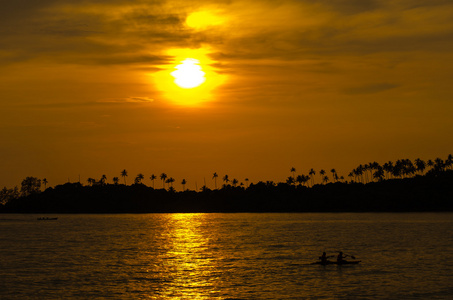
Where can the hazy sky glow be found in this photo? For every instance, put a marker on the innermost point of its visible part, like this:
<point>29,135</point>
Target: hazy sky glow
<point>86,89</point>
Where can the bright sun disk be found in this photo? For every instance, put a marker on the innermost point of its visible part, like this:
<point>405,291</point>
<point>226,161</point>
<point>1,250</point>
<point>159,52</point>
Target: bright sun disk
<point>189,74</point>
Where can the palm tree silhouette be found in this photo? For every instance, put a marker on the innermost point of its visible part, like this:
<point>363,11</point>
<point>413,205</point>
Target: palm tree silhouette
<point>183,182</point>
<point>116,180</point>
<point>170,181</point>
<point>388,168</point>
<point>430,163</point>
<point>153,177</point>
<point>163,176</point>
<point>45,183</point>
<point>103,179</point>
<point>124,175</point>
<point>246,182</point>
<point>439,164</point>
<point>312,174</point>
<point>226,179</point>
<point>300,179</point>
<point>379,174</point>
<point>334,174</point>
<point>325,179</point>
<point>290,180</point>
<point>235,182</point>
<point>91,181</point>
<point>293,170</point>
<point>351,175</point>
<point>214,176</point>
<point>449,161</point>
<point>322,173</point>
<point>139,178</point>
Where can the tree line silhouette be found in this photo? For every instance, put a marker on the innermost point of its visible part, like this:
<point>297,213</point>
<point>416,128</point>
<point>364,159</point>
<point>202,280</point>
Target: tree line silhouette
<point>402,185</point>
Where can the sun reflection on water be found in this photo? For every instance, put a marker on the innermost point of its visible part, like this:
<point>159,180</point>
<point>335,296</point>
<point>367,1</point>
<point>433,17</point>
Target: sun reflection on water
<point>190,259</point>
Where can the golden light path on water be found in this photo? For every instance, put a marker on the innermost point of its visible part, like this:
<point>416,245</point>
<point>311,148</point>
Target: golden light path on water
<point>190,257</point>
<point>191,79</point>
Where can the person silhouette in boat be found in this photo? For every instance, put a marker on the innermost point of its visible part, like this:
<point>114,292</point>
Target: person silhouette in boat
<point>341,258</point>
<point>323,258</point>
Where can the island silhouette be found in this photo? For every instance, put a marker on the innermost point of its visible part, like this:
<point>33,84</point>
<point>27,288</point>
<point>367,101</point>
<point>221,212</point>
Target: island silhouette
<point>403,186</point>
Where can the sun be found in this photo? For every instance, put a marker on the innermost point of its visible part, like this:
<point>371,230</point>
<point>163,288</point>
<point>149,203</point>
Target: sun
<point>190,78</point>
<point>189,74</point>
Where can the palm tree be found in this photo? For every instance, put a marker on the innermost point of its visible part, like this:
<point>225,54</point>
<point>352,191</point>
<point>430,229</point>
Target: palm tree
<point>170,181</point>
<point>379,174</point>
<point>124,175</point>
<point>408,168</point>
<point>246,182</point>
<point>214,176</point>
<point>183,182</point>
<point>226,179</point>
<point>334,174</point>
<point>449,161</point>
<point>322,173</point>
<point>312,174</point>
<point>290,180</point>
<point>376,166</point>
<point>388,167</point>
<point>103,179</point>
<point>300,179</point>
<point>139,178</point>
<point>293,170</point>
<point>91,181</point>
<point>439,164</point>
<point>235,182</point>
<point>163,176</point>
<point>350,175</point>
<point>115,180</point>
<point>45,183</point>
<point>397,170</point>
<point>325,179</point>
<point>153,177</point>
<point>360,170</point>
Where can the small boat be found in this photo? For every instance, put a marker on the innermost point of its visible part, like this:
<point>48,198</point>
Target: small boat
<point>47,219</point>
<point>344,262</point>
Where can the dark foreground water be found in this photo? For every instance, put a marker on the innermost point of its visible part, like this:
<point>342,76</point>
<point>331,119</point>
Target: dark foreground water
<point>224,256</point>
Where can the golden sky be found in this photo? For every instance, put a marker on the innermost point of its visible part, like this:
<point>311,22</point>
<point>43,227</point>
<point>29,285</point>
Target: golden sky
<point>86,87</point>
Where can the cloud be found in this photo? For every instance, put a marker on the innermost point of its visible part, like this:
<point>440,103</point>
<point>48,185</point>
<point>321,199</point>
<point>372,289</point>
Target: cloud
<point>127,100</point>
<point>139,33</point>
<point>370,88</point>
<point>100,32</point>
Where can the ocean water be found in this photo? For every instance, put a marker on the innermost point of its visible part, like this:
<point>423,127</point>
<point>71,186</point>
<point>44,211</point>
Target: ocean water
<point>226,256</point>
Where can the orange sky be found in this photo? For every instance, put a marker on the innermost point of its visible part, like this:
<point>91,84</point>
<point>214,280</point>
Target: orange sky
<point>85,87</point>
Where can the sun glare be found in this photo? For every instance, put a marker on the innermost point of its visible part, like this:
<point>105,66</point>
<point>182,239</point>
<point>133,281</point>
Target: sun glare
<point>191,79</point>
<point>189,74</point>
<point>203,19</point>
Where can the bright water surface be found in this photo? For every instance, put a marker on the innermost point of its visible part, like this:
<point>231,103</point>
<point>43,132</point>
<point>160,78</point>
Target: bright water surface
<point>226,256</point>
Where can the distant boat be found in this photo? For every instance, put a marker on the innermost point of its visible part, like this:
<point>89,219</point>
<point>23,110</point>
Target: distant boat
<point>47,219</point>
<point>344,262</point>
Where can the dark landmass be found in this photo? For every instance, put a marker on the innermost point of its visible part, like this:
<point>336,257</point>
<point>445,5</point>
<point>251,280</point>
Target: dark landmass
<point>430,192</point>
